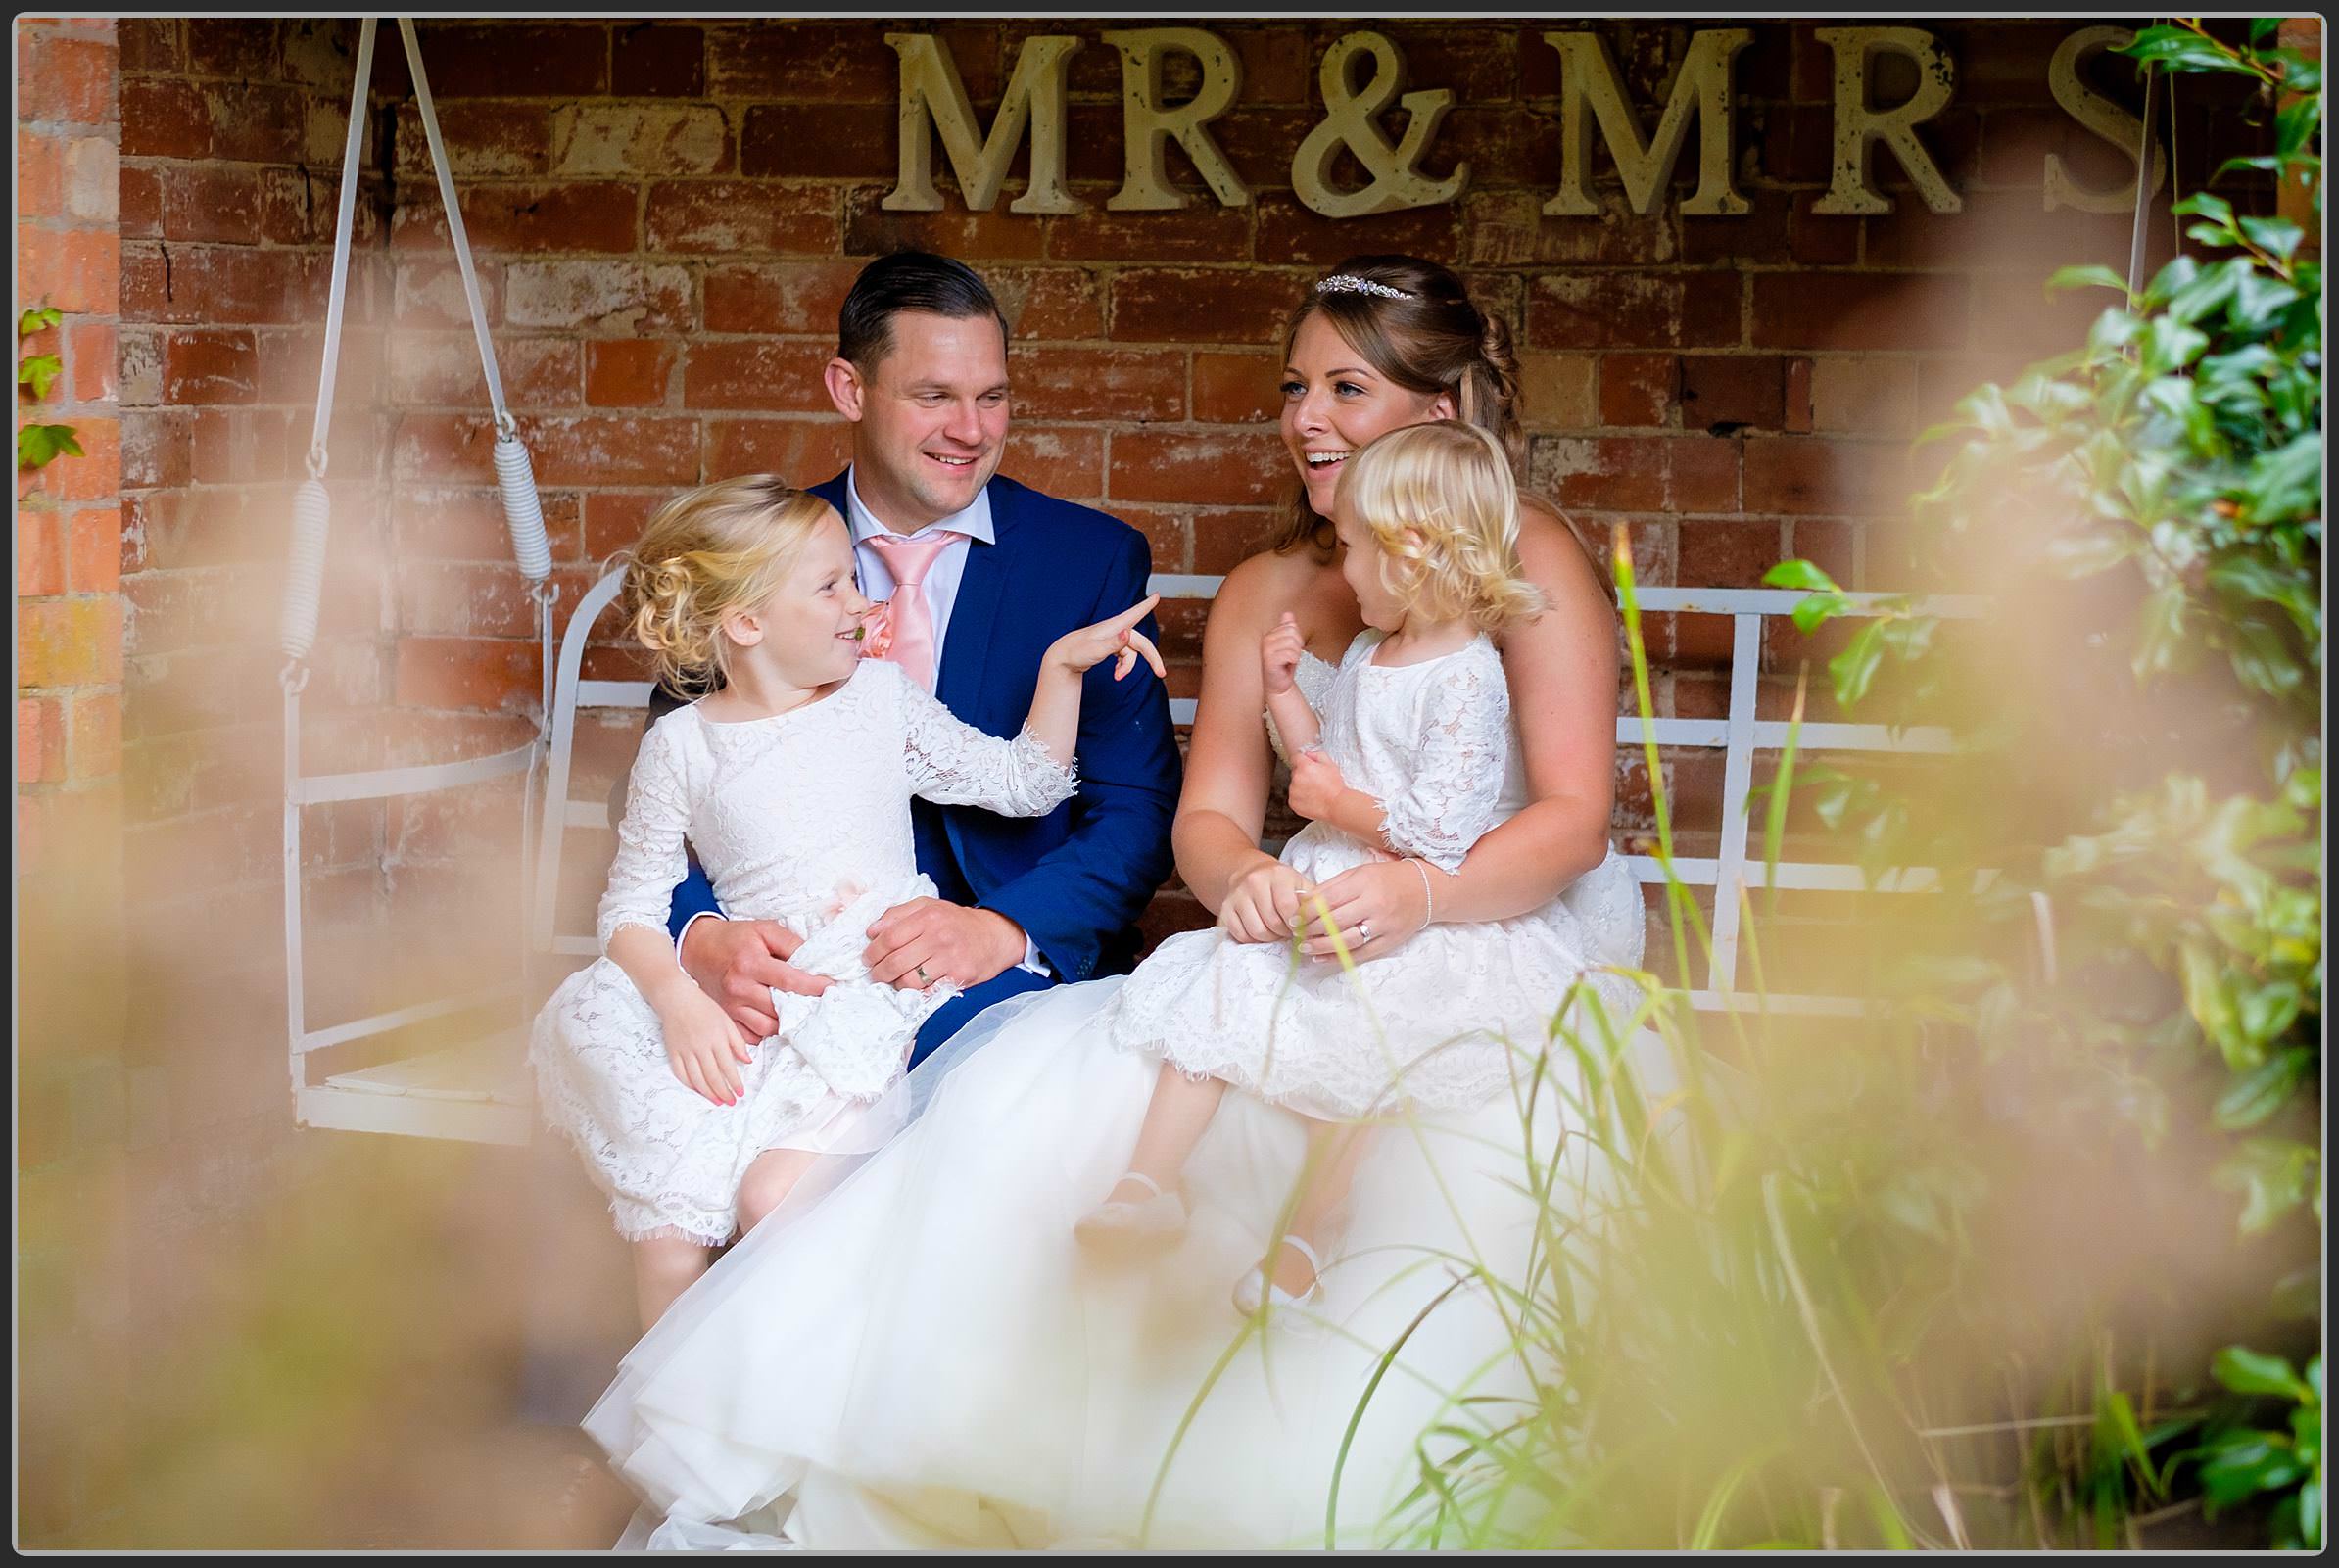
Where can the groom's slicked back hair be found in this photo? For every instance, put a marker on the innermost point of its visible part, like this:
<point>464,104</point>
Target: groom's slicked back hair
<point>908,280</point>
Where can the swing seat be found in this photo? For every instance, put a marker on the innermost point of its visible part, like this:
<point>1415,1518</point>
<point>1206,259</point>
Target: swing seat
<point>478,1092</point>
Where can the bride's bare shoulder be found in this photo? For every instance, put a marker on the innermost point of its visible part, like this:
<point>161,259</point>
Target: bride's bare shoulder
<point>1263,586</point>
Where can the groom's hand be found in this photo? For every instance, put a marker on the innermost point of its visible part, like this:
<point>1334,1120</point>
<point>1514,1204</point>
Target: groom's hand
<point>740,963</point>
<point>948,941</point>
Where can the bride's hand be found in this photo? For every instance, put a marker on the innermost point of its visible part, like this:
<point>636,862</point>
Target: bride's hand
<point>1377,906</point>
<point>1263,904</point>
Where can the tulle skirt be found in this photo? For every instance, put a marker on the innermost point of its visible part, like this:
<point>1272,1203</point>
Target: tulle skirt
<point>915,1353</point>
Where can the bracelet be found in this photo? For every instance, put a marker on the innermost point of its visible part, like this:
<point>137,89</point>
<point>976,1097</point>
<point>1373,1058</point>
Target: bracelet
<point>1429,902</point>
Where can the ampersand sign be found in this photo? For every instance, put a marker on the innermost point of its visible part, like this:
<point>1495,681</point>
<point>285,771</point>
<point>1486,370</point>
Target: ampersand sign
<point>1348,121</point>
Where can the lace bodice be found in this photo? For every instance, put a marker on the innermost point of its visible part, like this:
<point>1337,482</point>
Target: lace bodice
<point>1430,740</point>
<point>1316,676</point>
<point>795,814</point>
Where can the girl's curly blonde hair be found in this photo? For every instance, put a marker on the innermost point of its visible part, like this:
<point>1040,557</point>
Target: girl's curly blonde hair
<point>706,554</point>
<point>1439,501</point>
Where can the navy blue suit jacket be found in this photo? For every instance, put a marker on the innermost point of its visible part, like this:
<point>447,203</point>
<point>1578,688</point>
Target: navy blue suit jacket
<point>1076,879</point>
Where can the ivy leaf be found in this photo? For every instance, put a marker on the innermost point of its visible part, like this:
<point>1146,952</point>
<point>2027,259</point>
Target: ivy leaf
<point>34,320</point>
<point>2248,1371</point>
<point>2259,1094</point>
<point>39,445</point>
<point>1854,668</point>
<point>2277,236</point>
<point>38,373</point>
<point>2162,636</point>
<point>2093,274</point>
<point>2263,28</point>
<point>2273,1174</point>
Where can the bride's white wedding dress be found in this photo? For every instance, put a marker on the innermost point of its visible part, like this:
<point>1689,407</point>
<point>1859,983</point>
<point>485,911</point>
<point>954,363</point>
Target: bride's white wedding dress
<point>915,1353</point>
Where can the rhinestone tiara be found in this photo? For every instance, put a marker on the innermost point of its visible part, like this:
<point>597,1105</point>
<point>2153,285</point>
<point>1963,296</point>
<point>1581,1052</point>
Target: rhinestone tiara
<point>1350,283</point>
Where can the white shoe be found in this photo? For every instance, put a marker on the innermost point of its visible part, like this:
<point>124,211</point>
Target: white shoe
<point>1155,1218</point>
<point>1255,1287</point>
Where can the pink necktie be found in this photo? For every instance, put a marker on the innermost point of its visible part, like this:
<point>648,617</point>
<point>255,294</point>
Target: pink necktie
<point>908,560</point>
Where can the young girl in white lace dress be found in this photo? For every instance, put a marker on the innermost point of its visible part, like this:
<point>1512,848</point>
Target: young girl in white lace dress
<point>1408,760</point>
<point>794,782</point>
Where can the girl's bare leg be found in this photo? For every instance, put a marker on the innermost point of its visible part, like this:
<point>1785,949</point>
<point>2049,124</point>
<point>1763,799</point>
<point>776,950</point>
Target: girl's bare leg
<point>1334,1150</point>
<point>769,1180</point>
<point>664,1266</point>
<point>1174,1122</point>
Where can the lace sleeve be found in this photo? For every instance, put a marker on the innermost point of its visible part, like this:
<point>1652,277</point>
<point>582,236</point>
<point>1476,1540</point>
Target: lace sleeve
<point>650,857</point>
<point>1458,766</point>
<point>952,763</point>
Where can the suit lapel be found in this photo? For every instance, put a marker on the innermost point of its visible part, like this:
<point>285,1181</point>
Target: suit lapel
<point>967,648</point>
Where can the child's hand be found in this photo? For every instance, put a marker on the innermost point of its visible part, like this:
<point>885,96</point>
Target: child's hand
<point>704,1047</point>
<point>1279,655</point>
<point>1117,640</point>
<point>1316,785</point>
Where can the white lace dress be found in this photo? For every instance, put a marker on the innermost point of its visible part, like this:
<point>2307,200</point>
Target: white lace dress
<point>1437,1024</point>
<point>803,817</point>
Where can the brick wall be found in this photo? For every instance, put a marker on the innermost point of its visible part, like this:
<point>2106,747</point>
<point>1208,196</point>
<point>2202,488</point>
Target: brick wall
<point>667,213</point>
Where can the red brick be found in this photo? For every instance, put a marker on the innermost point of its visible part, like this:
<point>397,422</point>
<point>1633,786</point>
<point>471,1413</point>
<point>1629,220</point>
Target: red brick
<point>820,141</point>
<point>2015,311</point>
<point>223,285</point>
<point>1053,382</point>
<point>1822,239</point>
<point>298,207</point>
<point>599,296</point>
<point>1216,468</point>
<point>528,218</point>
<point>451,600</point>
<point>1504,144</point>
<point>40,553</point>
<point>40,740</point>
<point>1799,415</point>
<point>975,237</point>
<point>165,117</point>
<point>259,123</point>
<point>514,59</point>
<point>775,377</point>
<point>1862,396</point>
<point>649,61</point>
<point>234,46</point>
<point>1187,304</point>
<point>40,174</point>
<point>157,447</point>
<point>151,44</point>
<point>68,641</point>
<point>141,204</point>
<point>839,62</point>
<point>90,354</point>
<point>442,369</point>
<point>793,296</point>
<point>1237,388</point>
<point>1063,461</point>
<point>629,373</point>
<point>94,727</point>
<point>1638,389</point>
<point>751,217</point>
<point>93,550</point>
<point>95,475</point>
<point>1289,232</point>
<point>1260,140</point>
<point>445,672</point>
<point>1739,390</point>
<point>485,138</point>
<point>1204,232</point>
<point>1997,229</point>
<point>1509,228</point>
<point>615,519</point>
<point>1049,304</point>
<point>1728,551</point>
<point>2004,61</point>
<point>1164,531</point>
<point>427,292</point>
<point>588,450</point>
<point>77,270</point>
<point>1477,64</point>
<point>1634,310</point>
<point>1223,538</point>
<point>620,139</point>
<point>67,79</point>
<point>1807,476</point>
<point>1759,235</point>
<point>210,366</point>
<point>1856,311</point>
<point>804,452</point>
<point>1636,473</point>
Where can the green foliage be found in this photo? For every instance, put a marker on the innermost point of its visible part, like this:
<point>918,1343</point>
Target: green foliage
<point>2171,465</point>
<point>39,445</point>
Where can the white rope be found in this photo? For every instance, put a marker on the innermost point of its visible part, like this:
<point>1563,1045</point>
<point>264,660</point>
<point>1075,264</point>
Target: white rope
<point>2136,242</point>
<point>454,223</point>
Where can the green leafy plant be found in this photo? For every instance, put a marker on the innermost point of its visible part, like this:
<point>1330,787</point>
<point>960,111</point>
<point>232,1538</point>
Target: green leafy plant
<point>39,444</point>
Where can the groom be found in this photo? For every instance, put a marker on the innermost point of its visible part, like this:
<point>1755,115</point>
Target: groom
<point>983,574</point>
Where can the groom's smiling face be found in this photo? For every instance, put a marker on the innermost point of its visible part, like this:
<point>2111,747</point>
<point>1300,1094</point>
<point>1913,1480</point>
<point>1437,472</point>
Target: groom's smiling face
<point>930,417</point>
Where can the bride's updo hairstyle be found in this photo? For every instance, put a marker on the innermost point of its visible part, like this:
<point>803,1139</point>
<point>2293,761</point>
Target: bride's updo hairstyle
<point>706,554</point>
<point>1416,326</point>
<point>1439,501</point>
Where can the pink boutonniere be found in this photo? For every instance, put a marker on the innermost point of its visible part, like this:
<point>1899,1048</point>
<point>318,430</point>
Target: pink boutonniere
<point>877,630</point>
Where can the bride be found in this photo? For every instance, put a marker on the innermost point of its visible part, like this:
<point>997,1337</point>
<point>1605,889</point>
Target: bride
<point>917,1351</point>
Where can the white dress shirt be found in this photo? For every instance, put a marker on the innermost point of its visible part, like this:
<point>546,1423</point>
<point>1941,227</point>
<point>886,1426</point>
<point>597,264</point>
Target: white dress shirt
<point>876,582</point>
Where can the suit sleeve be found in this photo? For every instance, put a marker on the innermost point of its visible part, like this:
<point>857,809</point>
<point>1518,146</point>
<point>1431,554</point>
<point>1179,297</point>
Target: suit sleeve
<point>694,894</point>
<point>1099,880</point>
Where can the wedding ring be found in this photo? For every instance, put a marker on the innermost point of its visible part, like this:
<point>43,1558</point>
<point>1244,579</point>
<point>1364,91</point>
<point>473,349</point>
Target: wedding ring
<point>922,973</point>
<point>1363,930</point>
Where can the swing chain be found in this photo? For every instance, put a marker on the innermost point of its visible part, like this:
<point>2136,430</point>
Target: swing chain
<point>507,427</point>
<point>545,593</point>
<point>317,461</point>
<point>294,677</point>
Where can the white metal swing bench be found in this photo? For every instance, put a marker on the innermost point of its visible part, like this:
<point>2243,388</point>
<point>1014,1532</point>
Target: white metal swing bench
<point>480,1091</point>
